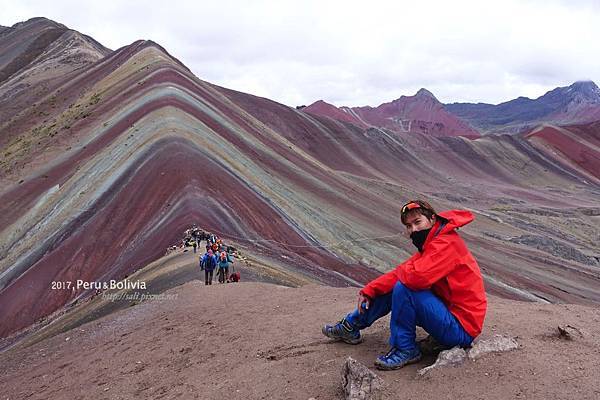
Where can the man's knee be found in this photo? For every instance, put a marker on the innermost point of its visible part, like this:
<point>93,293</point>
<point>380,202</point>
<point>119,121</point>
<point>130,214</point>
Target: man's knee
<point>401,290</point>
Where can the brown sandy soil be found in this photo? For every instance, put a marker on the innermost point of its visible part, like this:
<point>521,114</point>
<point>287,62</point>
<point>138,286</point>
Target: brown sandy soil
<point>263,341</point>
<point>165,273</point>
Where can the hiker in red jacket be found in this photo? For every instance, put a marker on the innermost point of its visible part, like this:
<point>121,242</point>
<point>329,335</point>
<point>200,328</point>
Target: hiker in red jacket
<point>439,288</point>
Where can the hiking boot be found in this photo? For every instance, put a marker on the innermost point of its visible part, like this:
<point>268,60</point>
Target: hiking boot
<point>343,331</point>
<point>396,358</point>
<point>431,347</point>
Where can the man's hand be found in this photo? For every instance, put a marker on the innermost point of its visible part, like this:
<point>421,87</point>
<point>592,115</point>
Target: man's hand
<point>363,299</point>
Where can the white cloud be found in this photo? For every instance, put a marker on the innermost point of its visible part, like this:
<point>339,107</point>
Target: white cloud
<point>349,53</point>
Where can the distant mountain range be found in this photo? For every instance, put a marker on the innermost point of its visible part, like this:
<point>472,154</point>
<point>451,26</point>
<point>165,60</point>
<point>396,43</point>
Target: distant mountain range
<point>419,113</point>
<point>575,104</point>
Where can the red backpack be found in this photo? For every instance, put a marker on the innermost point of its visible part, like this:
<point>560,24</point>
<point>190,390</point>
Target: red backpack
<point>235,276</point>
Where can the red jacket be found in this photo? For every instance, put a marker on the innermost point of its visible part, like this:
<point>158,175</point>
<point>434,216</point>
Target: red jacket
<point>447,268</point>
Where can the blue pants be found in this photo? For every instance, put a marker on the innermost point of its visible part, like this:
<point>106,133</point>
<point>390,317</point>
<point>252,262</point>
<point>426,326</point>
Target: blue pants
<point>412,308</point>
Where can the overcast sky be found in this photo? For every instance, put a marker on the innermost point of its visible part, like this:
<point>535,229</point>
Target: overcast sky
<point>353,52</point>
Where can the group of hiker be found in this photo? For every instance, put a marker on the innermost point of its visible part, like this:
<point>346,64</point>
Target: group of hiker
<point>217,257</point>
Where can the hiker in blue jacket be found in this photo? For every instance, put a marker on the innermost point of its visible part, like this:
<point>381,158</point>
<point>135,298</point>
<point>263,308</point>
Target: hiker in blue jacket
<point>208,262</point>
<point>224,262</point>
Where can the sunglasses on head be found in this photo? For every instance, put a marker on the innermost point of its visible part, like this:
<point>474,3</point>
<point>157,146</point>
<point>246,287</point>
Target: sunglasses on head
<point>410,206</point>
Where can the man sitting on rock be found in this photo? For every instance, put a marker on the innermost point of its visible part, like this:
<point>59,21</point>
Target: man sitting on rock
<point>439,288</point>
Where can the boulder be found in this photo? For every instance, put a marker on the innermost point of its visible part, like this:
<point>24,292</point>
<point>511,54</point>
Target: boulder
<point>455,355</point>
<point>498,343</point>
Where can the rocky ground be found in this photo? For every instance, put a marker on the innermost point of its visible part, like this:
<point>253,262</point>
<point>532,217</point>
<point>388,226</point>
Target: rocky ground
<point>263,341</point>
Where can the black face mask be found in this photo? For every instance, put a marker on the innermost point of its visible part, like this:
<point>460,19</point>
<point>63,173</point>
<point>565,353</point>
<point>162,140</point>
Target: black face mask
<point>418,238</point>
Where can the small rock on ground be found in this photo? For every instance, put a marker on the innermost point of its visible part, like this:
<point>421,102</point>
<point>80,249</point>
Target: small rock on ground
<point>359,382</point>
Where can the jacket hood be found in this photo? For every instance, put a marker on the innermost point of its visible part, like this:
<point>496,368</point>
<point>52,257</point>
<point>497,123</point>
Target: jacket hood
<point>456,218</point>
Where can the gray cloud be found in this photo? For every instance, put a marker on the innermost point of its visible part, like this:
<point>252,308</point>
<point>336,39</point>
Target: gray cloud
<point>350,54</point>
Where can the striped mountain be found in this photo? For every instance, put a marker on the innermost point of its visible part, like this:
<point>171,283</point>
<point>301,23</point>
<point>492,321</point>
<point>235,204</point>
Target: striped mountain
<point>105,164</point>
